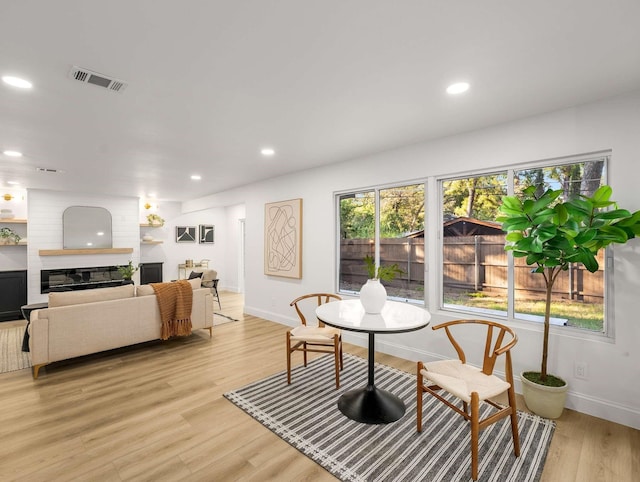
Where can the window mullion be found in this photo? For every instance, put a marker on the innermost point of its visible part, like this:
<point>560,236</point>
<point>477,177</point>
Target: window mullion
<point>511,282</point>
<point>377,228</point>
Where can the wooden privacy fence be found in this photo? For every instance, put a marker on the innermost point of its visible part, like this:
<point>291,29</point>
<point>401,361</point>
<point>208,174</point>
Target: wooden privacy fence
<point>470,264</point>
<point>407,253</point>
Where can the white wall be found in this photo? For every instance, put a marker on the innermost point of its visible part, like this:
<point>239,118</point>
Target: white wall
<point>611,391</point>
<point>172,253</point>
<point>232,263</point>
<point>45,232</point>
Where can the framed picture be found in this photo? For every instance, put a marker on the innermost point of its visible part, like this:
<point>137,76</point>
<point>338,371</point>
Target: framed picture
<point>185,234</point>
<point>206,234</point>
<point>283,238</point>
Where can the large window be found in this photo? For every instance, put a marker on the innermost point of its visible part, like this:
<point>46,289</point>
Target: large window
<point>387,224</point>
<point>476,272</point>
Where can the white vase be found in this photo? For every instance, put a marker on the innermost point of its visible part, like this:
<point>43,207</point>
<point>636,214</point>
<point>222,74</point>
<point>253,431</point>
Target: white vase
<point>373,296</point>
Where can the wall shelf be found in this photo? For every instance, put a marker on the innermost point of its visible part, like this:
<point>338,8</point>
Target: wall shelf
<point>19,243</point>
<point>12,221</point>
<point>151,242</point>
<point>143,225</point>
<point>65,252</point>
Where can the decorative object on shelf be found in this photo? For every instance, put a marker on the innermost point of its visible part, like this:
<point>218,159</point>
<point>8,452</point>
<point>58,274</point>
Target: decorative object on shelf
<point>6,214</point>
<point>128,270</point>
<point>147,237</point>
<point>155,220</point>
<point>9,236</point>
<point>373,294</point>
<point>185,234</point>
<point>7,197</point>
<point>283,238</point>
<point>551,233</point>
<point>206,234</point>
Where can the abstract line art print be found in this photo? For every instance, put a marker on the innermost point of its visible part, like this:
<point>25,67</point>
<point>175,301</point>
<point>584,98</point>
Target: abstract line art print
<point>283,238</point>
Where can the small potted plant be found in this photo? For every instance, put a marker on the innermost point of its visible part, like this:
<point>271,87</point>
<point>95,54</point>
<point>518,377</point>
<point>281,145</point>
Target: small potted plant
<point>552,233</point>
<point>155,220</point>
<point>9,236</point>
<point>128,270</point>
<point>373,294</point>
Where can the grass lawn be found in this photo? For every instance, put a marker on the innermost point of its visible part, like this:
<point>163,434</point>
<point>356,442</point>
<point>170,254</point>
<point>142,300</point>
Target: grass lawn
<point>588,316</point>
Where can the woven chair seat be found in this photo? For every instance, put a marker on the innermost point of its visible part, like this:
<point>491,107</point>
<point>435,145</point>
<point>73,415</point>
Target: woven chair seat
<point>461,380</point>
<point>314,334</point>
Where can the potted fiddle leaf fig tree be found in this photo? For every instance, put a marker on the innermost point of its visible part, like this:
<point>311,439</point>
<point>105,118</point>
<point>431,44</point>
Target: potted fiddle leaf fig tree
<point>551,234</point>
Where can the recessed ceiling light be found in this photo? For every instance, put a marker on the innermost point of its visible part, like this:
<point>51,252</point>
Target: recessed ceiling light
<point>458,88</point>
<point>13,183</point>
<point>267,151</point>
<point>12,153</point>
<point>17,82</point>
<point>196,177</point>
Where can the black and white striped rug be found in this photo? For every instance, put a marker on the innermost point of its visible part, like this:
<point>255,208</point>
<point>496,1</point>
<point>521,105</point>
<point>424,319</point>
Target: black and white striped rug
<point>305,414</point>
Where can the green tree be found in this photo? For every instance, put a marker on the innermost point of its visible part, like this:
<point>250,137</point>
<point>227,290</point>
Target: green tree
<point>357,216</point>
<point>401,210</point>
<point>474,197</point>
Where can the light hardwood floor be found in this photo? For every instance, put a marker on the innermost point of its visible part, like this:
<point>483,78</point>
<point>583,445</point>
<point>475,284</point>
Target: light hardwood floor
<point>156,412</point>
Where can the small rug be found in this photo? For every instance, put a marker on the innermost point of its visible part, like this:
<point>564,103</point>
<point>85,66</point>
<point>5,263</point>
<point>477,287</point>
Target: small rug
<point>305,414</point>
<point>11,355</point>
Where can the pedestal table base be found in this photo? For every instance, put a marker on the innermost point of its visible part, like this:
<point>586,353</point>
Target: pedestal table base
<point>371,405</point>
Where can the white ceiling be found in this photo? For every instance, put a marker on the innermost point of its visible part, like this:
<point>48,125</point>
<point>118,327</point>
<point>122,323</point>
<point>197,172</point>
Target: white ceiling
<point>321,81</point>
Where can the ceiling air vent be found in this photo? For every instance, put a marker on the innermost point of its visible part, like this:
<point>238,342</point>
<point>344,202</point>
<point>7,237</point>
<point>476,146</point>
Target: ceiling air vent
<point>89,77</point>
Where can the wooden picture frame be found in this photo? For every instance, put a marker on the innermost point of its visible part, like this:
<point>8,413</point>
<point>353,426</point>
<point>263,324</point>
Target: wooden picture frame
<point>185,234</point>
<point>283,238</point>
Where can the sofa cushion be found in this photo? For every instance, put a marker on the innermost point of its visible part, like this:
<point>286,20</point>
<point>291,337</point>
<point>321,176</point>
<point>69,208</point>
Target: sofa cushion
<point>145,290</point>
<point>67,298</point>
<point>194,274</point>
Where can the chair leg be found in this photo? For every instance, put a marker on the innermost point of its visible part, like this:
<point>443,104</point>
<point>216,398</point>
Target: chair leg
<point>475,430</point>
<point>288,358</point>
<point>514,421</point>
<point>341,357</point>
<point>336,352</point>
<point>304,353</point>
<point>419,397</point>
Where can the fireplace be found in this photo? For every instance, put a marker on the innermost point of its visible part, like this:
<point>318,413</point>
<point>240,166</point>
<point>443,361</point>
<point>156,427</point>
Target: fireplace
<point>69,279</point>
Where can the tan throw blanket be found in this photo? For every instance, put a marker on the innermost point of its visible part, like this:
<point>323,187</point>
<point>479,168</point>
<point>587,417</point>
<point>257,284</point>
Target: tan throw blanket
<point>175,301</point>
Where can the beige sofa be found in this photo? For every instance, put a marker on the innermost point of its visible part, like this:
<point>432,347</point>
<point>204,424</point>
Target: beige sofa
<point>78,323</point>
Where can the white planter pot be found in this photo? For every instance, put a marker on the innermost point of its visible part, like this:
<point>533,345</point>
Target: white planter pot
<point>548,402</point>
<point>373,296</point>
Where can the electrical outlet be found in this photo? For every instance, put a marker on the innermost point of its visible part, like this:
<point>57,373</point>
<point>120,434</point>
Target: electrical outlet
<point>580,370</point>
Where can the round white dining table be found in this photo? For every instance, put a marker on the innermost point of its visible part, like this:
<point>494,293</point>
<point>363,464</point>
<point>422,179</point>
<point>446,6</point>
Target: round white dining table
<point>371,404</point>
